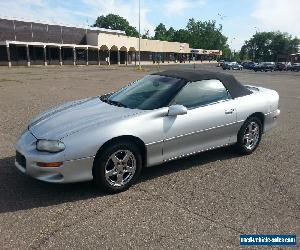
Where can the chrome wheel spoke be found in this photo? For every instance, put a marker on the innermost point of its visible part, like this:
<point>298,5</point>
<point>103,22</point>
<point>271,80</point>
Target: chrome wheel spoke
<point>111,172</point>
<point>251,136</point>
<point>126,157</point>
<point>129,169</point>
<point>119,179</point>
<point>248,143</point>
<point>246,136</point>
<point>120,168</point>
<point>115,159</point>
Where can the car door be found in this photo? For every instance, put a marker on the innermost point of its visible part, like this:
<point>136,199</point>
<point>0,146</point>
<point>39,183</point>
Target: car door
<point>208,123</point>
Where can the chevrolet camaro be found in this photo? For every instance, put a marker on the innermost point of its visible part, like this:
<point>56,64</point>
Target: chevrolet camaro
<point>161,117</point>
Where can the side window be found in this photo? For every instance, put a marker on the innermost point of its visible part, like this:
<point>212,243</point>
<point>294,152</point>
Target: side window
<point>201,93</point>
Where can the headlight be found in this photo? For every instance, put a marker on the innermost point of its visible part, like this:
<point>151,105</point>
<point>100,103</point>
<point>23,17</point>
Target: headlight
<point>50,146</point>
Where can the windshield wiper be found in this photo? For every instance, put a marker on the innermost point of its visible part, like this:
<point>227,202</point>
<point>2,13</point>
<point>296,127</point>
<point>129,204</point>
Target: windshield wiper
<point>116,103</point>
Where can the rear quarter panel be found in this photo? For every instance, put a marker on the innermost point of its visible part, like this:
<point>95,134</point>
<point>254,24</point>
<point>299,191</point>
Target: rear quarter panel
<point>262,100</point>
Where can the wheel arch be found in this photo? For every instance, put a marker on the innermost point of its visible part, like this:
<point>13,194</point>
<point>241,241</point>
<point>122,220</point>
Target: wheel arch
<point>260,116</point>
<point>127,138</point>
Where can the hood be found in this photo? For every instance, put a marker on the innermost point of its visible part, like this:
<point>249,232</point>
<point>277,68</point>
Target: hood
<point>71,117</point>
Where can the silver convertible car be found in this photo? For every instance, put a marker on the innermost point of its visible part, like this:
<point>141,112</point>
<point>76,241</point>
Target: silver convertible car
<point>161,117</point>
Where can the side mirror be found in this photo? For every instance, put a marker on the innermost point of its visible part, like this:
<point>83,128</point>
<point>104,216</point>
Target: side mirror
<point>175,110</point>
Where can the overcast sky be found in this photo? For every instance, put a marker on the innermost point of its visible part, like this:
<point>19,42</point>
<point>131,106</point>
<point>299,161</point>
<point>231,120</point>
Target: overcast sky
<point>240,18</point>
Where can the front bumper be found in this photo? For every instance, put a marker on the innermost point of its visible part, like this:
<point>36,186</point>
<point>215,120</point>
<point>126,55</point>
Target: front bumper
<point>271,120</point>
<point>70,171</point>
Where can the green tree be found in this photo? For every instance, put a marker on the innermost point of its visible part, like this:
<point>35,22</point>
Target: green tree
<point>146,35</point>
<point>181,35</point>
<point>282,45</point>
<point>244,55</point>
<point>160,32</point>
<point>198,34</point>
<point>226,53</point>
<point>206,35</point>
<point>164,34</point>
<point>115,22</point>
<point>170,34</point>
<point>270,46</point>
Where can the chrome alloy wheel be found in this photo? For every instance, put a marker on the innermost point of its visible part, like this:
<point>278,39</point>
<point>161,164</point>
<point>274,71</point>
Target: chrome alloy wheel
<point>120,168</point>
<point>251,135</point>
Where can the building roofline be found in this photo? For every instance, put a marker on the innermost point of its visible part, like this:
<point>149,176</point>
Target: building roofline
<point>120,32</point>
<point>7,42</point>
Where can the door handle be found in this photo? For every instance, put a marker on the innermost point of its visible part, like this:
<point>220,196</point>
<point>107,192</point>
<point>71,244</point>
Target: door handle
<point>229,111</point>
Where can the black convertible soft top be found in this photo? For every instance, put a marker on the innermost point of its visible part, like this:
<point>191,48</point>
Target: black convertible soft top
<point>235,88</point>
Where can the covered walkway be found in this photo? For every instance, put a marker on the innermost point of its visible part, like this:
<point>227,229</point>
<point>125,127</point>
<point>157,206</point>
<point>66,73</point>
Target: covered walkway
<point>17,53</point>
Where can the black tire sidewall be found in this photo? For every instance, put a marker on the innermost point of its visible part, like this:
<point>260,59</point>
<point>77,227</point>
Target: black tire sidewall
<point>240,143</point>
<point>101,159</point>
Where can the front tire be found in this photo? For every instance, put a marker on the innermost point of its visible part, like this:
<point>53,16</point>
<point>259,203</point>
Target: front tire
<point>249,136</point>
<point>117,167</point>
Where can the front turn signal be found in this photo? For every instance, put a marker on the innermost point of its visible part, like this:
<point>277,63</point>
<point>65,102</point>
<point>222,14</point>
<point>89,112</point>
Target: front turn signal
<point>49,164</point>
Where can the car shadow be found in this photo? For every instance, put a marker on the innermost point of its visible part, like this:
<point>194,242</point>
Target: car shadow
<point>21,192</point>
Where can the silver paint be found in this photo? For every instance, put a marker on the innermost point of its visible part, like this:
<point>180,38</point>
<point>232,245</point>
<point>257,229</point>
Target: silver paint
<point>85,125</point>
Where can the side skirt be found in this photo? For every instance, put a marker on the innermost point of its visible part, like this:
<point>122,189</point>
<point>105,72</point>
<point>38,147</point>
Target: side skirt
<point>192,153</point>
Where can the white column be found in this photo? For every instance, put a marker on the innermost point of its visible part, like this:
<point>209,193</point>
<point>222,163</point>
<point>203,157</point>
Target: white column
<point>74,56</point>
<point>60,57</point>
<point>45,56</point>
<point>87,56</point>
<point>108,57</point>
<point>28,56</point>
<point>8,55</point>
<point>118,57</point>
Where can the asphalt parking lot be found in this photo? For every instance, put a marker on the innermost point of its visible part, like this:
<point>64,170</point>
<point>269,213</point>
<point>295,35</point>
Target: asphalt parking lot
<point>201,202</point>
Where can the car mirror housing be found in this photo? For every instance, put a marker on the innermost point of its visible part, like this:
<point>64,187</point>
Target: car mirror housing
<point>175,110</point>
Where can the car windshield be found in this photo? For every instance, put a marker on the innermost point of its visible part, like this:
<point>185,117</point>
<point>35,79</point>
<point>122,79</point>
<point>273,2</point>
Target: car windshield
<point>150,92</point>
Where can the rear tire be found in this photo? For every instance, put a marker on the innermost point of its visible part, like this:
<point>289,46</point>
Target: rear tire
<point>117,167</point>
<point>249,136</point>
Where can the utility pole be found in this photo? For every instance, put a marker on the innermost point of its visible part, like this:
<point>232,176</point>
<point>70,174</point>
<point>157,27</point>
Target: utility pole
<point>231,47</point>
<point>254,45</point>
<point>221,16</point>
<point>140,35</point>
